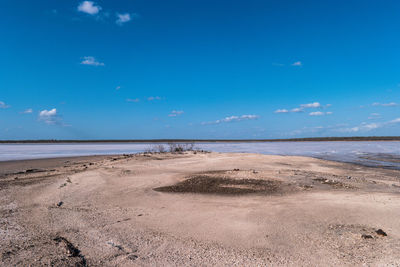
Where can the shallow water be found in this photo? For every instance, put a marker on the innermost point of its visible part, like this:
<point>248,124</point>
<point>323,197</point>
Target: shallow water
<point>376,153</point>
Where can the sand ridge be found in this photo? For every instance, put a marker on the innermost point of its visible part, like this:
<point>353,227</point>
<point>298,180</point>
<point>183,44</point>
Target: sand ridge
<point>200,209</point>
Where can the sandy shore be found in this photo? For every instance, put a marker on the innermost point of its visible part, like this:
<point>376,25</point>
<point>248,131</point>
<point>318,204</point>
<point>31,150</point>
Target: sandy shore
<point>198,209</point>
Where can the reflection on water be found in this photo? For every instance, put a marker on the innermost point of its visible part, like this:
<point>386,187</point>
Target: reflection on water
<point>377,153</point>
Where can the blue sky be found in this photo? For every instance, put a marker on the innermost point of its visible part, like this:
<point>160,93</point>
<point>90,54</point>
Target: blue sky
<point>146,69</point>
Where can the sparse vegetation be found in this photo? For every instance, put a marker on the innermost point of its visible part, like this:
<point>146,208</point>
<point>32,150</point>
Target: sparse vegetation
<point>180,147</point>
<point>172,147</point>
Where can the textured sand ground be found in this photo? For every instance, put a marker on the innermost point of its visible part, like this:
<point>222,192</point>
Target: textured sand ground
<point>198,209</point>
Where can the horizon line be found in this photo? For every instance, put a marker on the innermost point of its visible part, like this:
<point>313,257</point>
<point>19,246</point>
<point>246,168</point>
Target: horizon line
<point>165,140</point>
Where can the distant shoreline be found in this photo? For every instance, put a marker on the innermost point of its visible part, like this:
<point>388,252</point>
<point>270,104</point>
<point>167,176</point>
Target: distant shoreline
<point>309,139</point>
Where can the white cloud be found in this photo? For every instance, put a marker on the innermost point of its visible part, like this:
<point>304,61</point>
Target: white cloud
<point>48,113</point>
<point>297,63</point>
<point>391,104</point>
<point>123,18</point>
<point>234,119</point>
<point>317,113</point>
<point>118,87</point>
<point>175,113</point>
<point>281,111</point>
<point>239,118</point>
<point>135,100</point>
<point>152,98</point>
<point>394,121</point>
<point>306,106</point>
<point>27,111</point>
<point>320,113</point>
<point>311,105</point>
<point>364,127</point>
<point>91,61</point>
<point>296,110</point>
<point>49,116</point>
<point>89,7</point>
<point>3,105</point>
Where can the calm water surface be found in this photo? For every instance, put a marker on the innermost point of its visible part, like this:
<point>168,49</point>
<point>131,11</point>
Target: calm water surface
<point>377,153</point>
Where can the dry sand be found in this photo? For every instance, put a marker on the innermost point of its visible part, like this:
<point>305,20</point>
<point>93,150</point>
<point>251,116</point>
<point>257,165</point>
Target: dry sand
<point>198,209</point>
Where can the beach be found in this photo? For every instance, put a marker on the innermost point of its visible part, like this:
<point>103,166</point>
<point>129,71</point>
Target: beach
<point>198,208</point>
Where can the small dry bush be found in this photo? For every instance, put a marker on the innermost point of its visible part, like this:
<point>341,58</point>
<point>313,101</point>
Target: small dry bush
<point>171,147</point>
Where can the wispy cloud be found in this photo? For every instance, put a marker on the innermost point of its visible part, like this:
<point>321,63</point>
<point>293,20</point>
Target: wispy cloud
<point>281,111</point>
<point>91,61</point>
<point>319,113</point>
<point>27,111</point>
<point>365,127</point>
<point>374,116</point>
<point>391,104</point>
<point>311,105</point>
<point>123,18</point>
<point>362,127</point>
<point>134,100</point>
<point>118,87</point>
<point>89,7</point>
<point>4,105</point>
<point>152,98</point>
<point>307,130</point>
<point>315,130</point>
<point>294,64</point>
<point>296,110</point>
<point>303,107</point>
<point>175,113</point>
<point>233,119</point>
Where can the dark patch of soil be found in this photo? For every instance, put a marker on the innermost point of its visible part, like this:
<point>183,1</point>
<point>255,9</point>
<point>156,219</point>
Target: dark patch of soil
<point>23,181</point>
<point>224,186</point>
<point>72,251</point>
